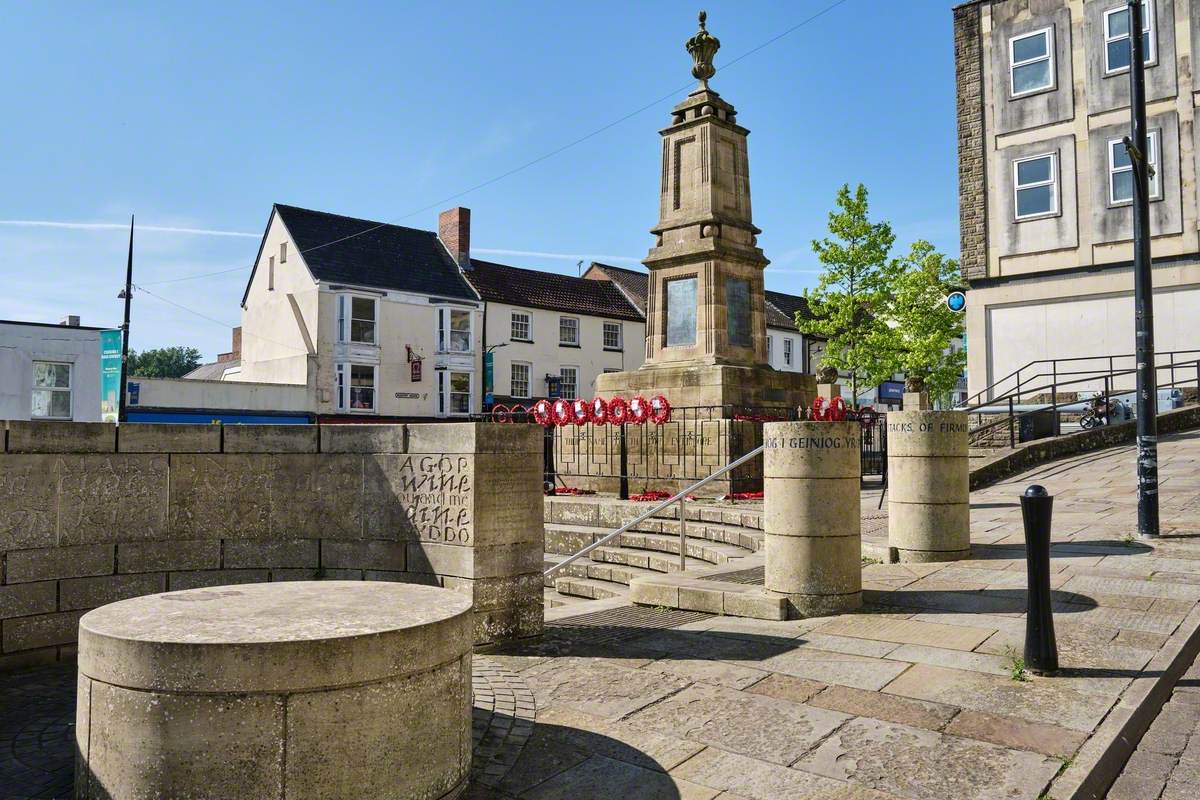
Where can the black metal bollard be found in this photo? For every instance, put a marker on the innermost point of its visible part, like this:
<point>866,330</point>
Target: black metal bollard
<point>1041,651</point>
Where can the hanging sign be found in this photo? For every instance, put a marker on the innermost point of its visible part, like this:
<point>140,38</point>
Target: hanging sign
<point>110,375</point>
<point>414,368</point>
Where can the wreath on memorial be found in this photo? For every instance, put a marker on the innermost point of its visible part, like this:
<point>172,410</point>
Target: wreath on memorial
<point>543,413</point>
<point>618,411</point>
<point>639,410</point>
<point>581,412</point>
<point>599,411</point>
<point>660,410</point>
<point>560,410</point>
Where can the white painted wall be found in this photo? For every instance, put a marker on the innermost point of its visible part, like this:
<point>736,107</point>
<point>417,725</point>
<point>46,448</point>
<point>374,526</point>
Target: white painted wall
<point>225,395</point>
<point>1087,326</point>
<point>273,346</point>
<point>777,336</point>
<point>546,356</point>
<point>21,345</point>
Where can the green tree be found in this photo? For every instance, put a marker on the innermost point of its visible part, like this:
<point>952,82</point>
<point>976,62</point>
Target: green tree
<point>852,290</point>
<point>164,362</point>
<point>920,326</point>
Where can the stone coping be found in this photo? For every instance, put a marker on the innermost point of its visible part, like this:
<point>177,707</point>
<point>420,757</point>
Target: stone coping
<point>272,637</point>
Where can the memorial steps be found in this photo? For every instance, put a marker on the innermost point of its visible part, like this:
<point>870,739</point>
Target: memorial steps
<point>726,536</point>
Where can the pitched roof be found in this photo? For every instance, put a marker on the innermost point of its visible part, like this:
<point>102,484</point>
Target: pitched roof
<point>549,290</point>
<point>634,283</point>
<point>782,309</point>
<point>366,253</point>
<point>213,371</point>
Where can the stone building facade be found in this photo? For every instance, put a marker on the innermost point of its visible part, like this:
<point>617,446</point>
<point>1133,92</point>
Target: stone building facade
<point>1044,186</point>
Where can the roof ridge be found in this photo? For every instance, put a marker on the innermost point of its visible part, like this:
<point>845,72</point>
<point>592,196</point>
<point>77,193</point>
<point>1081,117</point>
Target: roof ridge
<point>355,219</point>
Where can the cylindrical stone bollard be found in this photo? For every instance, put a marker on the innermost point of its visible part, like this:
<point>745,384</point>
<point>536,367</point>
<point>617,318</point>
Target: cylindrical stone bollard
<point>331,689</point>
<point>811,517</point>
<point>929,509</point>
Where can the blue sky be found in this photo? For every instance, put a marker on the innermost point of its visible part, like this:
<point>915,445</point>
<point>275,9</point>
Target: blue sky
<point>201,117</point>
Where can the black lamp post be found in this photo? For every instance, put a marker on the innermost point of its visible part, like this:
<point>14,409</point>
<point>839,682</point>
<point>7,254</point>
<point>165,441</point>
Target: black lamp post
<point>1143,287</point>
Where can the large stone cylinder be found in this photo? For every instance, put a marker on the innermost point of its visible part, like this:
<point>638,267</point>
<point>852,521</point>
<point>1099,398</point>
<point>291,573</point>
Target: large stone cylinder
<point>811,517</point>
<point>929,509</point>
<point>333,689</point>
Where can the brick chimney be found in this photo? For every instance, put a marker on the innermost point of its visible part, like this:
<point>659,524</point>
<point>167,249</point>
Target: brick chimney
<point>454,229</point>
<point>235,352</point>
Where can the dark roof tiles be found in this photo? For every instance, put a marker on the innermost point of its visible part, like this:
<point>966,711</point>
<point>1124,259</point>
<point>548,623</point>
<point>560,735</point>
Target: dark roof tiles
<point>355,251</point>
<point>499,283</point>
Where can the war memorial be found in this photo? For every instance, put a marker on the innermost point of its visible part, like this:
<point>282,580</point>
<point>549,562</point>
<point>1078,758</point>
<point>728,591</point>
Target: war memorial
<point>354,611</point>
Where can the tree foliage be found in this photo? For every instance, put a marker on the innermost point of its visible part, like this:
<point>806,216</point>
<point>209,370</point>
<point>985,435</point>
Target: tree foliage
<point>921,326</point>
<point>164,362</point>
<point>851,290</point>
<point>883,315</point>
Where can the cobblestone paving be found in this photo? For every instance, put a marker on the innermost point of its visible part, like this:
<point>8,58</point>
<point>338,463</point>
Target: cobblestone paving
<point>1166,765</point>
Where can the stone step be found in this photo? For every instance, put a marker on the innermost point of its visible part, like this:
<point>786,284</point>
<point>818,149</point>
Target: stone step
<point>645,559</point>
<point>552,599</point>
<point>713,597</point>
<point>576,569</point>
<point>587,588</point>
<point>613,513</point>
<point>568,538</point>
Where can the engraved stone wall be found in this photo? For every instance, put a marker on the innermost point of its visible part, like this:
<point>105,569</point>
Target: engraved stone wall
<point>89,516</point>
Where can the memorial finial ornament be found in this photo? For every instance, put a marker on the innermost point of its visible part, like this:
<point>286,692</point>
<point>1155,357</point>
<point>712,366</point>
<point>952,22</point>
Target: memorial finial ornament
<point>703,47</point>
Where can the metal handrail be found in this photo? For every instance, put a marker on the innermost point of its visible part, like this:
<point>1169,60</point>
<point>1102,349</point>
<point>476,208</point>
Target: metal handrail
<point>1054,362</point>
<point>1109,392</point>
<point>679,497</point>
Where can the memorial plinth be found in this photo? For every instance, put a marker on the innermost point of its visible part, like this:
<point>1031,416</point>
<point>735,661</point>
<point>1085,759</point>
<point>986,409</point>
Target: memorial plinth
<point>332,689</point>
<point>929,510</point>
<point>811,518</point>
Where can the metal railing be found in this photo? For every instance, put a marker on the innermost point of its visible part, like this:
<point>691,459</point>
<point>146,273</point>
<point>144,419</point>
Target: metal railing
<point>679,497</point>
<point>1014,407</point>
<point>1056,368</point>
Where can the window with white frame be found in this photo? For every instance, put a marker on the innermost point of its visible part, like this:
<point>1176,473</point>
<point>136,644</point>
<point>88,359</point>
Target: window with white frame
<point>1118,50</point>
<point>271,274</point>
<point>1120,170</point>
<point>770,346</point>
<point>612,336</point>
<point>569,382</point>
<point>1031,62</point>
<point>454,392</point>
<point>568,330</point>
<point>454,330</point>
<point>787,351</point>
<point>520,327</point>
<point>520,380</point>
<point>355,387</point>
<point>1035,186</point>
<point>283,252</point>
<point>356,318</point>
<point>51,390</point>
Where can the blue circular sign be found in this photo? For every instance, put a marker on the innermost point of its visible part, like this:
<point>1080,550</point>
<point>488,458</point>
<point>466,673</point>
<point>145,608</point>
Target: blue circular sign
<point>956,301</point>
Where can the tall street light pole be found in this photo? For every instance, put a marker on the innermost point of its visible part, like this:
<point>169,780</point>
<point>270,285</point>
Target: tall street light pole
<point>1143,288</point>
<point>127,295</point>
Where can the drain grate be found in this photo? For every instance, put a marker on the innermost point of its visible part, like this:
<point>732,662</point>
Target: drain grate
<point>630,618</point>
<point>751,577</point>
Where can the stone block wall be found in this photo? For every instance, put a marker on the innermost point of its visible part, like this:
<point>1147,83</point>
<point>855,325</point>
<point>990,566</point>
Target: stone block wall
<point>972,167</point>
<point>90,515</point>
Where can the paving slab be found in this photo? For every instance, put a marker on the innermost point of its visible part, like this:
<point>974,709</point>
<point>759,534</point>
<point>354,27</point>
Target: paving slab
<point>908,631</point>
<point>885,707</point>
<point>840,668</point>
<point>1051,700</point>
<point>601,689</point>
<point>599,776</point>
<point>759,780</point>
<point>750,724</point>
<point>788,687</point>
<point>924,765</point>
<point>1019,734</point>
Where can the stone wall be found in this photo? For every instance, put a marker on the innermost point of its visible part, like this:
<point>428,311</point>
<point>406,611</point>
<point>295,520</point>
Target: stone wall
<point>972,195</point>
<point>90,515</point>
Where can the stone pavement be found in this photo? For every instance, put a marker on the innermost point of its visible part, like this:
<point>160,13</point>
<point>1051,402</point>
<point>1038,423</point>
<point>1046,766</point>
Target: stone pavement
<point>918,697</point>
<point>1166,765</point>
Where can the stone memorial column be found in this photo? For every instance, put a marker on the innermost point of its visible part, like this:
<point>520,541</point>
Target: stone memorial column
<point>811,516</point>
<point>928,484</point>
